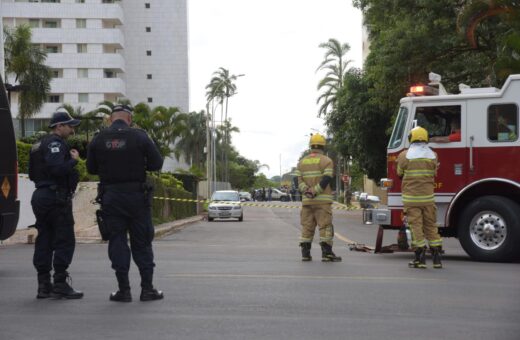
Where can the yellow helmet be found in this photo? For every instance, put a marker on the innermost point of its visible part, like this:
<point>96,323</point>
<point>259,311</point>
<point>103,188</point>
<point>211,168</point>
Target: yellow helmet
<point>317,139</point>
<point>418,134</point>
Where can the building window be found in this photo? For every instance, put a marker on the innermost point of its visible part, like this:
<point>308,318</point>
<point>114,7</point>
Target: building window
<point>503,123</point>
<point>34,23</point>
<point>57,73</point>
<point>52,48</point>
<point>148,29</point>
<point>50,24</point>
<point>80,1</point>
<point>109,74</point>
<point>148,76</point>
<point>82,72</point>
<point>82,48</point>
<point>53,1</point>
<point>81,23</point>
<point>82,97</point>
<point>150,99</point>
<point>35,125</point>
<point>53,98</point>
<point>147,5</point>
<point>148,53</point>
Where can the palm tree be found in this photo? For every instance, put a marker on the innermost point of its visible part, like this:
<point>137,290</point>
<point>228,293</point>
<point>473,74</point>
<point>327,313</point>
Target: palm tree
<point>336,67</point>
<point>86,119</point>
<point>222,87</point>
<point>192,139</point>
<point>26,63</point>
<point>164,125</point>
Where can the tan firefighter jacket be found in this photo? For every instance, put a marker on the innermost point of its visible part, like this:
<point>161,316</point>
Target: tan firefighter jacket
<point>310,172</point>
<point>417,166</point>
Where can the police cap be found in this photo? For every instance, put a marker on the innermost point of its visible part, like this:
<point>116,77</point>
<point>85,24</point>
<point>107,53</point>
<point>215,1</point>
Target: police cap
<point>64,118</point>
<point>122,108</point>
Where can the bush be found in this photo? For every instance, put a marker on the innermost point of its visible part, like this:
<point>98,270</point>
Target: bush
<point>23,150</point>
<point>170,210</point>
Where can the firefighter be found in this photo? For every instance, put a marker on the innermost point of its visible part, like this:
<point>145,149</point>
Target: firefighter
<point>314,173</point>
<point>417,168</point>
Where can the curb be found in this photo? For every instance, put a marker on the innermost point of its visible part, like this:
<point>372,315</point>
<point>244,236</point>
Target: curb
<point>25,236</point>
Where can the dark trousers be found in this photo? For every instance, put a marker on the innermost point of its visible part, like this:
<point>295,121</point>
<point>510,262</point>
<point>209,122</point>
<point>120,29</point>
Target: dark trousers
<point>54,246</point>
<point>129,213</point>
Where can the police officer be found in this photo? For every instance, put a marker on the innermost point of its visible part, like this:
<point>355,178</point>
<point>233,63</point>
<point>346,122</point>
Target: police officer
<point>417,167</point>
<point>121,155</point>
<point>314,173</point>
<point>52,169</point>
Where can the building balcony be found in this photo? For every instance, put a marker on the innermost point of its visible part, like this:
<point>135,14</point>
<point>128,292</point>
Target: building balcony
<point>112,36</point>
<point>64,11</point>
<point>113,61</point>
<point>88,85</point>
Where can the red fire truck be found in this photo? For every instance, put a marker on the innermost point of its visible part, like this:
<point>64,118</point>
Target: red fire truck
<point>477,188</point>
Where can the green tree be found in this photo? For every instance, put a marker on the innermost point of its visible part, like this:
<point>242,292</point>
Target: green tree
<point>26,63</point>
<point>408,39</point>
<point>335,65</point>
<point>164,125</point>
<point>221,87</point>
<point>192,140</point>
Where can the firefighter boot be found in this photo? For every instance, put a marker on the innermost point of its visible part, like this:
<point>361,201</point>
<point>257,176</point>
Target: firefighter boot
<point>326,253</point>
<point>62,287</point>
<point>436,255</point>
<point>420,258</point>
<point>44,285</point>
<point>148,292</point>
<point>306,251</point>
<point>123,294</point>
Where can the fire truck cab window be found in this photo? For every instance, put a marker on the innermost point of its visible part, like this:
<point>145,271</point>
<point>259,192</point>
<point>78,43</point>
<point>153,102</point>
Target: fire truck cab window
<point>442,122</point>
<point>503,123</point>
<point>397,135</point>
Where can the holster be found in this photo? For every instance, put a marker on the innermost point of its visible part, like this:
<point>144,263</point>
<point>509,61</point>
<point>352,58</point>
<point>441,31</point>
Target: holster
<point>104,229</point>
<point>100,193</point>
<point>63,196</point>
<point>148,194</point>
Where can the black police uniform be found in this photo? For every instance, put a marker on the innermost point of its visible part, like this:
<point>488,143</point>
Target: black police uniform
<point>121,155</point>
<point>52,169</point>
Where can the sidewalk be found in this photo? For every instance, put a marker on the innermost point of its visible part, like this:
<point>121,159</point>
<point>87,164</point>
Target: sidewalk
<point>85,227</point>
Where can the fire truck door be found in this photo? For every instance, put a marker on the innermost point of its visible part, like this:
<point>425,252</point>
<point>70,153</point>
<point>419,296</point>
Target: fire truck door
<point>447,126</point>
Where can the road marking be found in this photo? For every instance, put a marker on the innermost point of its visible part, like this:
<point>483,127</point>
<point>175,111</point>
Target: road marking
<point>343,238</point>
<point>298,277</point>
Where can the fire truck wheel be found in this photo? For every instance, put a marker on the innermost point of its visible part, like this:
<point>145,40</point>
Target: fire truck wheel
<point>489,229</point>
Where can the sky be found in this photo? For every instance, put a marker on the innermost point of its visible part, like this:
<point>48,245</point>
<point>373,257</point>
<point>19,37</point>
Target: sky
<point>275,44</point>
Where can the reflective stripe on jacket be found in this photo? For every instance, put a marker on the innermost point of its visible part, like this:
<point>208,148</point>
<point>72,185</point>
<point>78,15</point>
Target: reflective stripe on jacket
<point>418,177</point>
<point>310,172</point>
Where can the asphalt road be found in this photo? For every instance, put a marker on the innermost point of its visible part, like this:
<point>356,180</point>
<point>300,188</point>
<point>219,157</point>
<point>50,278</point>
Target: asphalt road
<point>245,280</point>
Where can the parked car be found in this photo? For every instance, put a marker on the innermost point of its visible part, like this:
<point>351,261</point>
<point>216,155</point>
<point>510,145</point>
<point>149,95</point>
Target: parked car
<point>225,204</point>
<point>245,196</point>
<point>278,195</point>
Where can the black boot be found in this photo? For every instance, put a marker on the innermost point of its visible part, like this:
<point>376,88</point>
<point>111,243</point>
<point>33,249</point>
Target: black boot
<point>148,292</point>
<point>436,255</point>
<point>62,289</point>
<point>306,251</point>
<point>326,253</point>
<point>420,258</point>
<point>44,286</point>
<point>123,294</point>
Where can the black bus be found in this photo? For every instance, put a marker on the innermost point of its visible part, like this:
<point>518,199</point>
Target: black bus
<point>9,203</point>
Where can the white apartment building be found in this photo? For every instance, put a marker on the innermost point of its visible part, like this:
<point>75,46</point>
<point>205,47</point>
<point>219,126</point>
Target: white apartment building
<point>105,50</point>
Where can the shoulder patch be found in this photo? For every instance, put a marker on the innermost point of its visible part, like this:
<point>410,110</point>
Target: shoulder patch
<point>54,147</point>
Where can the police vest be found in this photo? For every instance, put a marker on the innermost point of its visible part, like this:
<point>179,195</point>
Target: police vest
<point>39,170</point>
<point>120,156</point>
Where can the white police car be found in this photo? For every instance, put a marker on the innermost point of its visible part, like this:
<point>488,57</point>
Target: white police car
<point>225,204</point>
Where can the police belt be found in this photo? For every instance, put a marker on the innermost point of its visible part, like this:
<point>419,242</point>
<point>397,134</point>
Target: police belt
<point>125,187</point>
